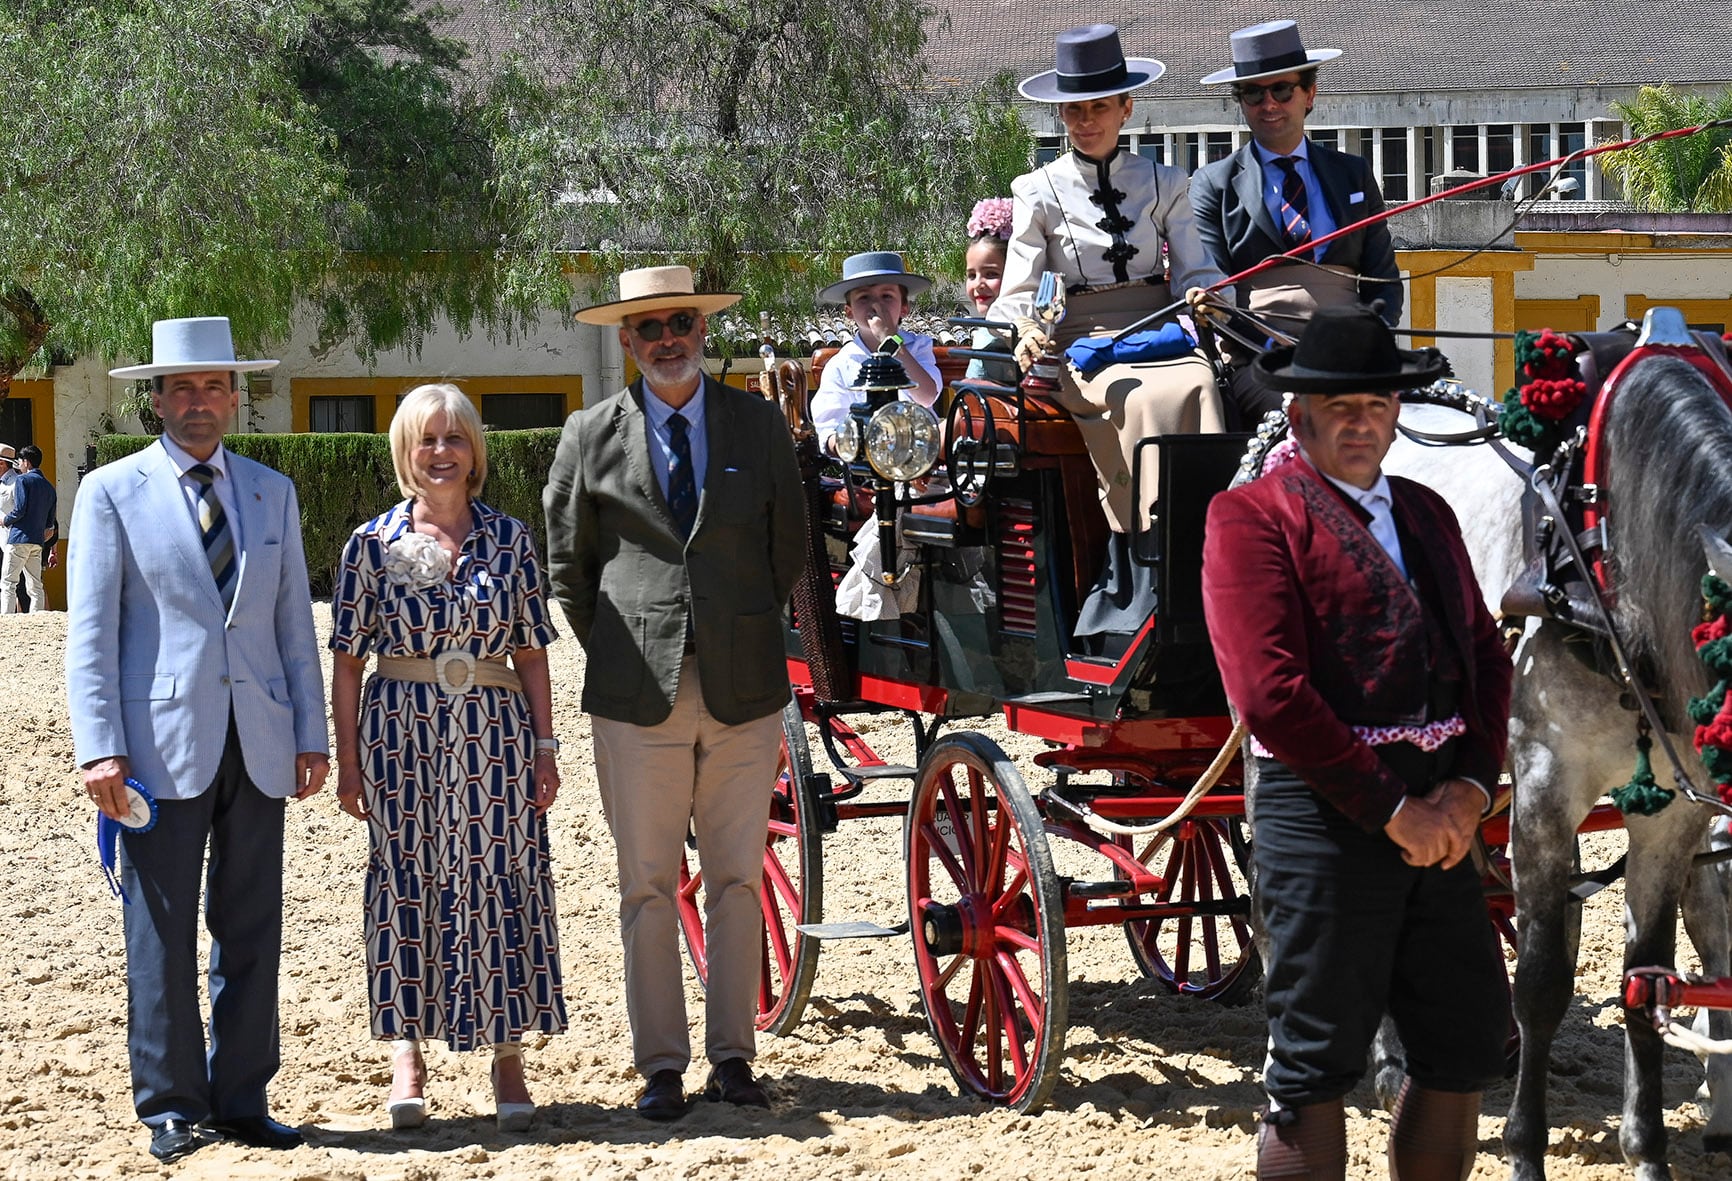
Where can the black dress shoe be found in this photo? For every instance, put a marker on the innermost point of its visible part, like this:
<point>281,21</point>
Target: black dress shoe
<point>255,1131</point>
<point>664,1096</point>
<point>731,1081</point>
<point>175,1139</point>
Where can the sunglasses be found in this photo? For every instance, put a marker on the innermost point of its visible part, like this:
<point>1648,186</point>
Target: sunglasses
<point>1252,95</point>
<point>679,324</point>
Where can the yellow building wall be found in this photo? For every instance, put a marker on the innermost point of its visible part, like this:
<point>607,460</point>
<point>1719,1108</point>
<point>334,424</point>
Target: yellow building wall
<point>385,392</point>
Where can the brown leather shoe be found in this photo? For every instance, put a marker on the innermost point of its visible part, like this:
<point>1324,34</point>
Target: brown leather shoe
<point>731,1081</point>
<point>663,1097</point>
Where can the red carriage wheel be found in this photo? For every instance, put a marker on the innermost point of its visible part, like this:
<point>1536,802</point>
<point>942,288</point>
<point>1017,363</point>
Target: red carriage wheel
<point>1205,862</point>
<point>793,887</point>
<point>988,923</point>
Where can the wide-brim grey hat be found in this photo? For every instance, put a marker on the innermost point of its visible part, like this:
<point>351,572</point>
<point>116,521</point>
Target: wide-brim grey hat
<point>1269,50</point>
<point>873,266</point>
<point>197,344</point>
<point>1091,64</point>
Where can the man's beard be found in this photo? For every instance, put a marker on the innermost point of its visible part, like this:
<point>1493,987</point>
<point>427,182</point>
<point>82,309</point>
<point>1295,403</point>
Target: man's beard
<point>672,371</point>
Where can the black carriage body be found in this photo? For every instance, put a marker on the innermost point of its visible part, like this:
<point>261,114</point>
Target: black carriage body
<point>1001,584</point>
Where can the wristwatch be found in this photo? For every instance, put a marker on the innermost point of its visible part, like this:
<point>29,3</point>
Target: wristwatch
<point>548,744</point>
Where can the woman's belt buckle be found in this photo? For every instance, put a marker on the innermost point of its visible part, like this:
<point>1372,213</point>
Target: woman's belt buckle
<point>464,675</point>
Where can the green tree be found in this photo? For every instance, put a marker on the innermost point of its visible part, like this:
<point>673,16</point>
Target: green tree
<point>153,161</point>
<point>1690,174</point>
<point>236,157</point>
<point>758,139</point>
<point>427,226</point>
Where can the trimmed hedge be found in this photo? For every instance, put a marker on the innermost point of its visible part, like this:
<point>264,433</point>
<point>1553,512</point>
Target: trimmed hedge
<point>345,479</point>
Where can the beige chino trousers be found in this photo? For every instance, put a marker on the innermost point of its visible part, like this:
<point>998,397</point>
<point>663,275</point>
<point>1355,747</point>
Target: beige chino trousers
<point>654,780</point>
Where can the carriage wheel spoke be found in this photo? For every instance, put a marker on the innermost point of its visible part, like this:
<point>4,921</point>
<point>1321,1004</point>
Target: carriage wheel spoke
<point>958,816</point>
<point>1033,1004</point>
<point>778,878</point>
<point>990,1026</point>
<point>983,842</point>
<point>971,1010</point>
<point>778,953</point>
<point>1006,1028</point>
<point>1171,873</point>
<point>999,855</point>
<point>935,843</point>
<point>1012,891</point>
<point>949,973</point>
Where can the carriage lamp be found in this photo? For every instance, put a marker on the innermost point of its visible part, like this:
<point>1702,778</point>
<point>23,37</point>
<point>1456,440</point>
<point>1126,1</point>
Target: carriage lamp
<point>879,384</point>
<point>903,441</point>
<point>848,441</point>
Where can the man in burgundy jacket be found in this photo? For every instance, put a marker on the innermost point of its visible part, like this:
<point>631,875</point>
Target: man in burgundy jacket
<point>1353,641</point>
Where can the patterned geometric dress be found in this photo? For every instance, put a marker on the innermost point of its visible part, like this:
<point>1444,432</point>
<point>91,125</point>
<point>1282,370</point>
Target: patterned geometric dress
<point>461,937</point>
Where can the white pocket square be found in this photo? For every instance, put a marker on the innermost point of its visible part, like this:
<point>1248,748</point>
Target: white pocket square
<point>1356,198</point>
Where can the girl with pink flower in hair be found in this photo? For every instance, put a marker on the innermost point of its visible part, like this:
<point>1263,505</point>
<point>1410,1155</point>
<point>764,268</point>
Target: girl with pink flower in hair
<point>988,241</point>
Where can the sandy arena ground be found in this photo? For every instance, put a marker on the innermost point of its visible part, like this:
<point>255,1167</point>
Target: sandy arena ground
<point>1153,1086</point>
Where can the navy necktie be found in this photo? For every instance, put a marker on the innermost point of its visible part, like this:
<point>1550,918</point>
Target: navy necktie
<point>682,484</point>
<point>1295,209</point>
<point>213,524</point>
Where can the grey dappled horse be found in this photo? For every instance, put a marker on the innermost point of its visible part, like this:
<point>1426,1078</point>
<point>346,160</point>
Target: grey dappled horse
<point>1571,741</point>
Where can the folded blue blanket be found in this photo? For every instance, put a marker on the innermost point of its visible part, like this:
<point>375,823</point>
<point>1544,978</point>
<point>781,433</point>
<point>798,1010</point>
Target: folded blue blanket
<point>1091,354</point>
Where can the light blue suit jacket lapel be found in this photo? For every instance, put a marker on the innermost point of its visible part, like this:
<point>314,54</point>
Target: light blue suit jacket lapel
<point>162,497</point>
<point>255,526</point>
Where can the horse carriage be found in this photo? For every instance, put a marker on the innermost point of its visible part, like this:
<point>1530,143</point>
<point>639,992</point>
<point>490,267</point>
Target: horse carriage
<point>988,525</point>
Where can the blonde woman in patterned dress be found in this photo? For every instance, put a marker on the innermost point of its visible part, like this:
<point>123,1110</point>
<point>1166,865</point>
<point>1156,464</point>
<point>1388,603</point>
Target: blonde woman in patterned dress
<point>448,753</point>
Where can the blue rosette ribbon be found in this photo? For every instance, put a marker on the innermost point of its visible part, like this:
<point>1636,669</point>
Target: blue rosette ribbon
<point>141,818</point>
<point>1091,354</point>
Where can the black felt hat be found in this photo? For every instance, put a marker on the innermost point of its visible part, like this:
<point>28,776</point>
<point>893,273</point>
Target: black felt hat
<point>1349,350</point>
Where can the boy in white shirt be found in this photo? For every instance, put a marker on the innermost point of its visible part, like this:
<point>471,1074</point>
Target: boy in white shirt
<point>875,289</point>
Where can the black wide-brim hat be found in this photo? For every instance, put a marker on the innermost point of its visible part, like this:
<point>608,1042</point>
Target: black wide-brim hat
<point>1269,50</point>
<point>1349,350</point>
<point>1091,64</point>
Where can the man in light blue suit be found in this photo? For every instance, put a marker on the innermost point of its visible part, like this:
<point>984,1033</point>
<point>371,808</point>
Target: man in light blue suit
<point>191,667</point>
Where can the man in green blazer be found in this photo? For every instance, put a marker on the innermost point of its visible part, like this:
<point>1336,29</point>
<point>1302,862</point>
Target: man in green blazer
<point>675,531</point>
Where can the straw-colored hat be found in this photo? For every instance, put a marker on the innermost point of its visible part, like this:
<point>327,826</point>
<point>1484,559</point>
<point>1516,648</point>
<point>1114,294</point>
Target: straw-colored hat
<point>198,344</point>
<point>651,289</point>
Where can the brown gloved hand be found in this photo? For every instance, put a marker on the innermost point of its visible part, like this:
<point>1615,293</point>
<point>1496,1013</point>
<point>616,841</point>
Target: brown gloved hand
<point>1031,342</point>
<point>1203,304</point>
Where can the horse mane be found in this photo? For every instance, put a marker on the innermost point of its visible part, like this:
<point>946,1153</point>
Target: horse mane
<point>1669,435</point>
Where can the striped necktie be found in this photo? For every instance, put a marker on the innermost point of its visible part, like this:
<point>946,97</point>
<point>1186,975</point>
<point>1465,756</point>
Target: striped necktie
<point>682,483</point>
<point>1295,209</point>
<point>213,525</point>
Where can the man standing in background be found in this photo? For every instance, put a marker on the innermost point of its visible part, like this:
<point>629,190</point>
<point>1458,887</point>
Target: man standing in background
<point>32,526</point>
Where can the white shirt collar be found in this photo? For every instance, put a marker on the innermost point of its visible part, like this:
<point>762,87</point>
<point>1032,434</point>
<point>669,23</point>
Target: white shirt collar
<point>1373,498</point>
<point>177,455</point>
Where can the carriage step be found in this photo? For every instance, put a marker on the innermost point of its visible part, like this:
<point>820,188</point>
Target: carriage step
<point>858,929</point>
<point>1116,888</point>
<point>1049,697</point>
<point>876,771</point>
